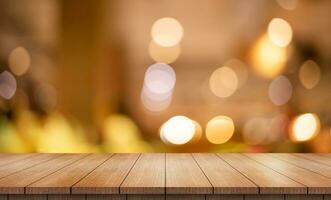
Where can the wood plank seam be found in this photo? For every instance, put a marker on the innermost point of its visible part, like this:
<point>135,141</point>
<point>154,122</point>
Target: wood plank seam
<point>278,172</point>
<point>203,173</point>
<point>53,172</point>
<point>90,173</point>
<point>16,160</point>
<point>284,160</point>
<point>258,187</point>
<point>32,165</point>
<point>119,190</point>
<point>165,173</point>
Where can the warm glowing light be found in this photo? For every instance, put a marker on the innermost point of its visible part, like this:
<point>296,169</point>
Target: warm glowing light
<point>280,32</point>
<point>178,130</point>
<point>288,4</point>
<point>158,87</point>
<point>268,59</point>
<point>19,61</point>
<point>223,82</point>
<point>280,90</point>
<point>219,129</point>
<point>167,32</point>
<point>160,78</point>
<point>198,132</point>
<point>240,69</point>
<point>309,74</point>
<point>8,85</point>
<point>163,54</point>
<point>305,127</point>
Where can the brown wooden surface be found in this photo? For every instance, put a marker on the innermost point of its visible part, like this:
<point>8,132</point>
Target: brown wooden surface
<point>165,176</point>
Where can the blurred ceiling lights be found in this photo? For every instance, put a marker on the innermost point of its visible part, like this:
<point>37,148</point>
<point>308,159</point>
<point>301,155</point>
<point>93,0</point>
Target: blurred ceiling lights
<point>8,85</point>
<point>167,32</point>
<point>19,61</point>
<point>304,127</point>
<point>219,129</point>
<point>280,32</point>
<point>280,90</point>
<point>288,4</point>
<point>223,82</point>
<point>309,74</point>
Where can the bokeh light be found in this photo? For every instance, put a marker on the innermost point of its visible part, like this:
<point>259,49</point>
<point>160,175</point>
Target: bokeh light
<point>219,129</point>
<point>309,74</point>
<point>223,82</point>
<point>240,69</point>
<point>304,127</point>
<point>198,132</point>
<point>178,130</point>
<point>159,82</point>
<point>19,61</point>
<point>8,85</point>
<point>268,59</point>
<point>163,54</point>
<point>280,32</point>
<point>280,90</point>
<point>167,32</point>
<point>288,4</point>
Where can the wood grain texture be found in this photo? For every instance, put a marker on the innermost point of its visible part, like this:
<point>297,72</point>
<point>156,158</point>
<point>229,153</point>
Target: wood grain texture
<point>305,163</point>
<point>146,197</point>
<point>27,197</point>
<point>6,159</point>
<point>224,178</point>
<point>10,185</point>
<point>183,176</point>
<point>264,197</point>
<point>65,197</point>
<point>268,180</point>
<point>185,197</point>
<point>107,178</point>
<point>224,197</point>
<point>105,197</point>
<point>304,197</point>
<point>25,163</point>
<point>61,181</point>
<point>318,158</point>
<point>316,183</point>
<point>147,176</point>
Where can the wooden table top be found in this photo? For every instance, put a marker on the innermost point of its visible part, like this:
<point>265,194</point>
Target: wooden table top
<point>165,173</point>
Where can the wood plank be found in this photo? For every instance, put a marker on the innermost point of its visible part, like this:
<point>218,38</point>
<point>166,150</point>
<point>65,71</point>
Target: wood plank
<point>264,197</point>
<point>61,181</point>
<point>304,197</point>
<point>316,158</point>
<point>105,197</point>
<point>183,176</point>
<point>3,197</point>
<point>317,184</point>
<point>185,197</point>
<point>65,197</point>
<point>107,178</point>
<point>224,197</point>
<point>27,197</point>
<point>147,176</point>
<point>6,159</point>
<point>305,163</point>
<point>10,185</point>
<point>22,164</point>
<point>146,197</point>
<point>224,179</point>
<point>268,180</point>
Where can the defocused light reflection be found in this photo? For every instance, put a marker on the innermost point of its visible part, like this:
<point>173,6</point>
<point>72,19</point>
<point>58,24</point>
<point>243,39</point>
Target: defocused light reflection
<point>309,74</point>
<point>167,32</point>
<point>268,59</point>
<point>240,69</point>
<point>163,54</point>
<point>280,32</point>
<point>198,132</point>
<point>223,82</point>
<point>304,127</point>
<point>280,90</point>
<point>8,85</point>
<point>178,130</point>
<point>19,61</point>
<point>288,4</point>
<point>219,129</point>
<point>159,82</point>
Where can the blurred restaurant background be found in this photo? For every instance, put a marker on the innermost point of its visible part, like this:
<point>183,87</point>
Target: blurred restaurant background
<point>165,76</point>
